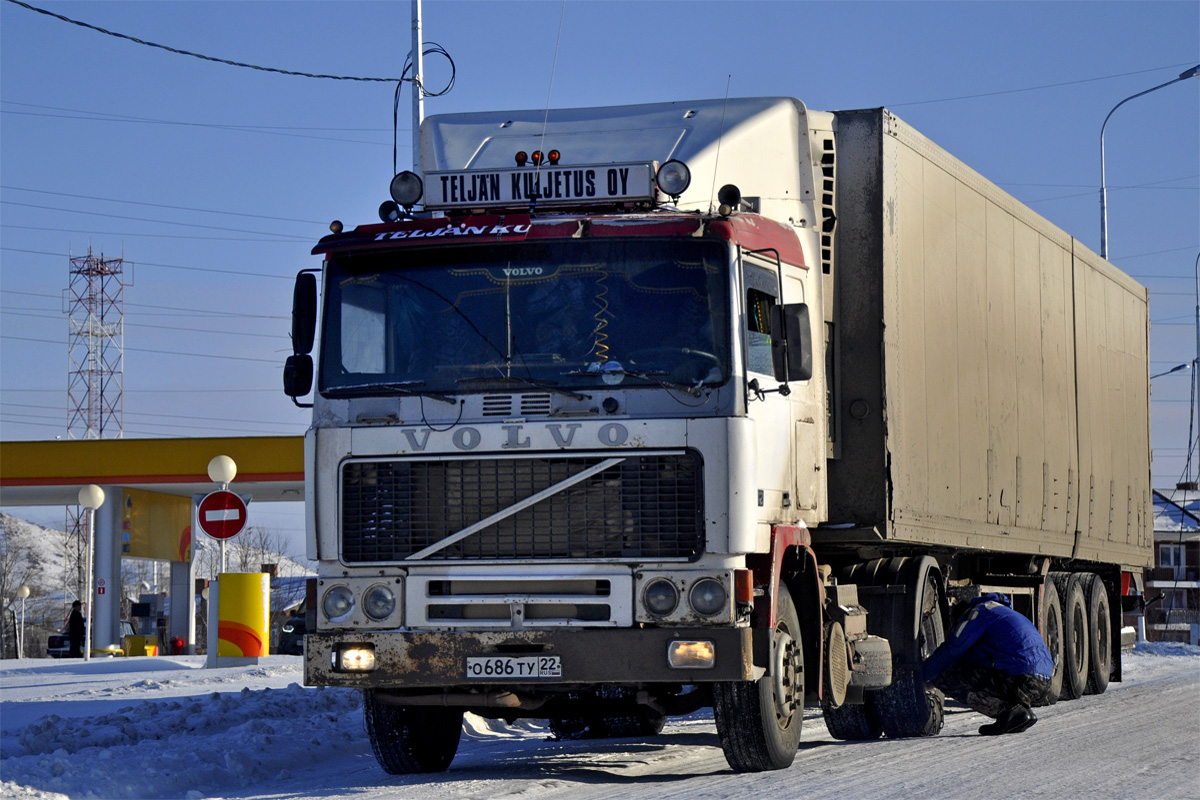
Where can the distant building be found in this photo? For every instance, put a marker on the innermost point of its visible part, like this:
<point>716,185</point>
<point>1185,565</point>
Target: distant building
<point>1175,577</point>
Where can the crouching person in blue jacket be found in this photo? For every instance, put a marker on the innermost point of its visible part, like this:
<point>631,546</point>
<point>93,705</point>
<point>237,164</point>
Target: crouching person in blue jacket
<point>996,663</point>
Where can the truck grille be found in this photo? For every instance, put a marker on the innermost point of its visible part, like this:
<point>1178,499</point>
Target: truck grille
<point>647,506</point>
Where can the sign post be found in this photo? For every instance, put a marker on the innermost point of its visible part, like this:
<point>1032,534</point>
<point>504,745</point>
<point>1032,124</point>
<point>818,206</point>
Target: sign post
<point>222,515</point>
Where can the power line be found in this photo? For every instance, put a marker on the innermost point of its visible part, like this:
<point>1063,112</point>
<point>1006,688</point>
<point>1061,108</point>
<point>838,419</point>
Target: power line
<point>143,235</point>
<point>160,205</point>
<point>183,390</point>
<point>242,273</point>
<point>144,121</point>
<point>128,324</point>
<point>225,61</point>
<point>221,356</point>
<point>238,127</point>
<point>1030,88</point>
<point>276,423</point>
<point>288,236</point>
<point>193,311</point>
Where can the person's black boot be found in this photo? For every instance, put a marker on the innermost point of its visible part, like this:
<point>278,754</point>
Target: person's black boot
<point>1014,720</point>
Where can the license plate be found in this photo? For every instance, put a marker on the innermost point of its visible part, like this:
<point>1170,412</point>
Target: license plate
<point>483,668</point>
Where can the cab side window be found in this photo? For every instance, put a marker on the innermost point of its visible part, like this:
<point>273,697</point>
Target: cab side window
<point>760,300</point>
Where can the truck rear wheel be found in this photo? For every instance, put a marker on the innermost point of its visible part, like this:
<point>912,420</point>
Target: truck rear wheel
<point>1099,634</point>
<point>409,739</point>
<point>759,723</point>
<point>1053,634</point>
<point>914,622</point>
<point>1075,635</point>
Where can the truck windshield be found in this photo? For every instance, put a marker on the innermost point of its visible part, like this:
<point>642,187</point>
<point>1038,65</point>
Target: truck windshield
<point>573,313</point>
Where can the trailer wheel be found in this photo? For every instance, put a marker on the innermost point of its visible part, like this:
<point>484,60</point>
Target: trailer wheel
<point>1099,634</point>
<point>759,723</point>
<point>1053,634</point>
<point>1075,635</point>
<point>915,624</point>
<point>409,739</point>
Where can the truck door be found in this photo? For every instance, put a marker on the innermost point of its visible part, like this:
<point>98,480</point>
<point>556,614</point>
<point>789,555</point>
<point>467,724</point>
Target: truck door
<point>770,409</point>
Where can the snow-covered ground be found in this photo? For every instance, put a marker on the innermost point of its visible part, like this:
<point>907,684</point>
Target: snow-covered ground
<point>169,728</point>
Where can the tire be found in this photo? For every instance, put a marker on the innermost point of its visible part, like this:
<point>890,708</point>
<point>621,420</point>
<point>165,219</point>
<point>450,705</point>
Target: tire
<point>1075,635</point>
<point>852,723</point>
<point>914,622</point>
<point>646,722</point>
<point>1053,634</point>
<point>1099,634</point>
<point>758,723</point>
<point>408,739</point>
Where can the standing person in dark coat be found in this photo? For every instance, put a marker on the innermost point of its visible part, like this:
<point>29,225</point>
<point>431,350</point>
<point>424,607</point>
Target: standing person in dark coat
<point>995,662</point>
<point>75,630</point>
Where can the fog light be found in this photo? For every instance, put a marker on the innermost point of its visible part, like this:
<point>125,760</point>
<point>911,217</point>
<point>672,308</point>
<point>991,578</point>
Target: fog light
<point>691,655</point>
<point>708,597</point>
<point>660,597</point>
<point>354,658</point>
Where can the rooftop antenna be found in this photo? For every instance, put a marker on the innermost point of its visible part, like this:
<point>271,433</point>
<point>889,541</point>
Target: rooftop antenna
<point>717,160</point>
<point>537,167</point>
<point>418,90</point>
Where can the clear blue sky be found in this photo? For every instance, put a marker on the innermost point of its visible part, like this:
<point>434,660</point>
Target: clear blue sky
<point>215,181</point>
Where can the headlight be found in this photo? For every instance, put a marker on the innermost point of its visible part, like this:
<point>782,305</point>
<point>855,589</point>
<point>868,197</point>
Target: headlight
<point>708,597</point>
<point>379,602</point>
<point>338,603</point>
<point>661,597</point>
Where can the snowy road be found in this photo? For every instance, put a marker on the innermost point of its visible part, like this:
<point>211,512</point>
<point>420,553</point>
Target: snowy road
<point>165,728</point>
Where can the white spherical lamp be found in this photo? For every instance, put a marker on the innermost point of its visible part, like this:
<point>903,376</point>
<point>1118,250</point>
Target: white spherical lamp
<point>91,497</point>
<point>222,470</point>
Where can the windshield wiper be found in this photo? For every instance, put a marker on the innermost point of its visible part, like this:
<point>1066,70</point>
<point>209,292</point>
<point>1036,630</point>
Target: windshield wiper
<point>510,379</point>
<point>406,388</point>
<point>646,375</point>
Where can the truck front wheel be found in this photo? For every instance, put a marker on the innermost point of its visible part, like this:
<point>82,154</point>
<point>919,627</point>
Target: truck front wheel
<point>409,739</point>
<point>759,723</point>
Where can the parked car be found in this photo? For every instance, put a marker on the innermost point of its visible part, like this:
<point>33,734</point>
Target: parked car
<point>291,635</point>
<point>58,645</point>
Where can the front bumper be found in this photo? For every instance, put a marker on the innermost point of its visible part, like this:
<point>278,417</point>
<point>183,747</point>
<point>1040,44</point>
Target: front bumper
<point>437,660</point>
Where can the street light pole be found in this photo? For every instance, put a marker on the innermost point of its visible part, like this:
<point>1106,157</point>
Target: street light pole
<point>22,593</point>
<point>91,497</point>
<point>1194,72</point>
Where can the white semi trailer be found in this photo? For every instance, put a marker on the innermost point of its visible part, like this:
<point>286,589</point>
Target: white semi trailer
<point>625,412</point>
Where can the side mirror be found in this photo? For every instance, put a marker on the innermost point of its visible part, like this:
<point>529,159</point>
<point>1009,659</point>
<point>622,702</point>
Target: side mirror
<point>304,316</point>
<point>298,375</point>
<point>791,342</point>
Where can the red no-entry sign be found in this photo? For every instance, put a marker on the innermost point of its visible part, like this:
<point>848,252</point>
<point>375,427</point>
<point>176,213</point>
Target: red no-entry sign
<point>222,514</point>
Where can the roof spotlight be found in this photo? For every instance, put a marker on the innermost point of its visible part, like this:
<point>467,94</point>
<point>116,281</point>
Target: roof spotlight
<point>553,156</point>
<point>522,157</point>
<point>673,178</point>
<point>406,189</point>
<point>537,158</point>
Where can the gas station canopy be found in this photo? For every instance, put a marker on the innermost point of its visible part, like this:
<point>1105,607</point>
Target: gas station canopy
<point>51,473</point>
